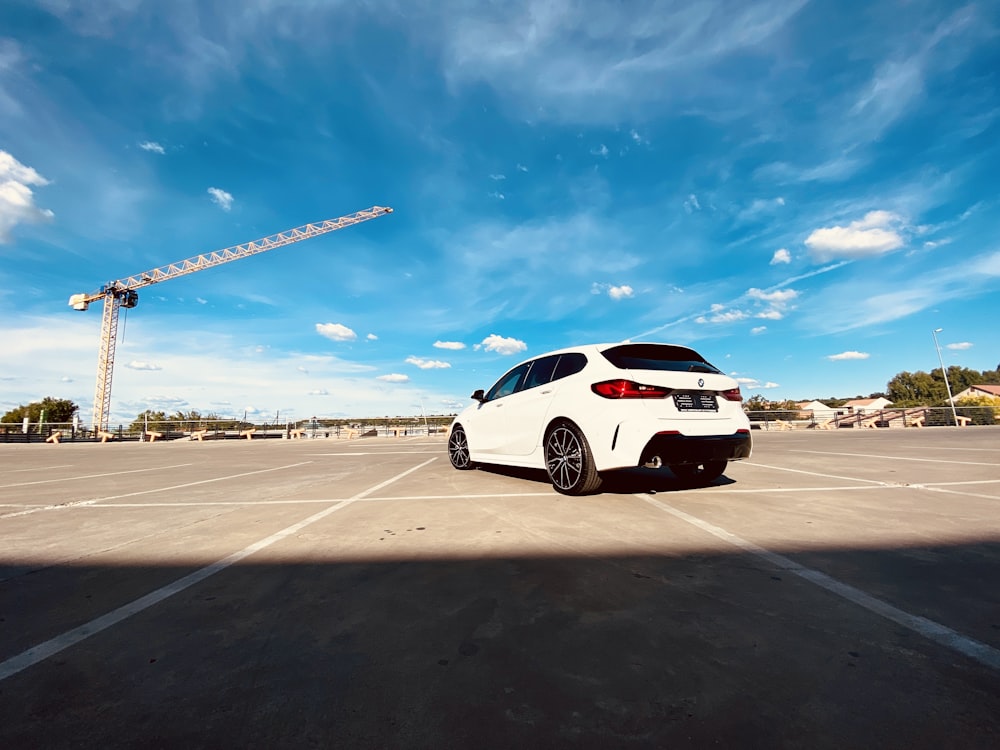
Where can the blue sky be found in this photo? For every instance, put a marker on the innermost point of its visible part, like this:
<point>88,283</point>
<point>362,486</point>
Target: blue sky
<point>802,191</point>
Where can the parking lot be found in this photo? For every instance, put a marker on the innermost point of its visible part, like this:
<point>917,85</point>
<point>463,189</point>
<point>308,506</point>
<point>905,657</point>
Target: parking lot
<point>839,589</point>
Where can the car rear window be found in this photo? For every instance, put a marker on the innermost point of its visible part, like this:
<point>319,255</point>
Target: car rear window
<point>569,364</point>
<point>657,357</point>
<point>540,372</point>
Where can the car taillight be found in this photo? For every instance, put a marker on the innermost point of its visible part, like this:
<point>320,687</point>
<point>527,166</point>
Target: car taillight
<point>733,394</point>
<point>628,389</point>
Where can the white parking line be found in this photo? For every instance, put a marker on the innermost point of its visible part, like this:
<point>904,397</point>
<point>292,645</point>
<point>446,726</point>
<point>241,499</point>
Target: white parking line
<point>884,486</point>
<point>79,503</point>
<point>933,488</point>
<point>380,453</point>
<point>321,501</point>
<point>775,490</point>
<point>900,458</point>
<point>966,450</point>
<point>818,474</point>
<point>934,631</point>
<point>43,651</point>
<point>91,476</point>
<point>39,468</point>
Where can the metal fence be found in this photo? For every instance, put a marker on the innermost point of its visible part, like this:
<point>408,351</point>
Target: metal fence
<point>223,429</point>
<point>229,429</point>
<point>889,418</point>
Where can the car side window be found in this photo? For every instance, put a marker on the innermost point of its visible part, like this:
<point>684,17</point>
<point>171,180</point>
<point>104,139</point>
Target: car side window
<point>540,372</point>
<point>569,364</point>
<point>508,383</point>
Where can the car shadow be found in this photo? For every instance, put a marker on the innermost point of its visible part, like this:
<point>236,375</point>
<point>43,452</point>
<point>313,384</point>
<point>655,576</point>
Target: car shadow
<point>621,482</point>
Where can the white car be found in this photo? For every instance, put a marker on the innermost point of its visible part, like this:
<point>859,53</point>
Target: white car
<point>590,409</point>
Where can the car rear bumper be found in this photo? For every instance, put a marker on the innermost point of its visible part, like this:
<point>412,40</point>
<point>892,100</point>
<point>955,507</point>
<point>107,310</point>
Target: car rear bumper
<point>674,449</point>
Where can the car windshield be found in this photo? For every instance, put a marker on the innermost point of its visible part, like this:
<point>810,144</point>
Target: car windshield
<point>657,357</point>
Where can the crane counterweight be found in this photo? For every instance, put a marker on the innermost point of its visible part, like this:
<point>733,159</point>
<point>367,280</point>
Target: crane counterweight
<point>122,292</point>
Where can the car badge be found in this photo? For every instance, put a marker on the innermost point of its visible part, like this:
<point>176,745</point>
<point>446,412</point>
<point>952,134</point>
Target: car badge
<point>701,382</point>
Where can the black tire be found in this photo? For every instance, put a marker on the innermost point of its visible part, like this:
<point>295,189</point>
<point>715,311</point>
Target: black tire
<point>569,462</point>
<point>458,449</point>
<point>702,473</point>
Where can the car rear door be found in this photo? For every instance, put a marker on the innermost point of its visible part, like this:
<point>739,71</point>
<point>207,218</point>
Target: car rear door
<point>524,412</point>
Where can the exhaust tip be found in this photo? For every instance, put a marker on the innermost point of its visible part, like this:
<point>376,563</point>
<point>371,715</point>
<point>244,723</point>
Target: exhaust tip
<point>654,463</point>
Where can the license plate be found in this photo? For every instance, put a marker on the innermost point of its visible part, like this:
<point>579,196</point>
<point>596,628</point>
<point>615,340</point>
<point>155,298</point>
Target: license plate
<point>698,401</point>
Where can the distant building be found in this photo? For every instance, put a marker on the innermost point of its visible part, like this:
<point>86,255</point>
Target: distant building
<point>867,405</point>
<point>816,410</point>
<point>983,389</point>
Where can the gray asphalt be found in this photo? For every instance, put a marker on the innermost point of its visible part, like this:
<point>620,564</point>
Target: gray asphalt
<point>840,589</point>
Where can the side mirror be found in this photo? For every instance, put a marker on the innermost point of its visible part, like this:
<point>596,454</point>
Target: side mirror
<point>478,395</point>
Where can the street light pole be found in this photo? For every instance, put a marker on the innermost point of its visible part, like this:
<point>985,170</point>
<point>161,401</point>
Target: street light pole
<point>944,374</point>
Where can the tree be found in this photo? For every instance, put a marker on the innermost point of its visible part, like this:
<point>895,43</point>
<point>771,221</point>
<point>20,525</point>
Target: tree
<point>148,416</point>
<point>928,388</point>
<point>961,378</point>
<point>56,410</point>
<point>915,388</point>
<point>980,409</point>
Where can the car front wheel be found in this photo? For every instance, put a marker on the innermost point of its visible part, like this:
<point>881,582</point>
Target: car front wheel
<point>702,473</point>
<point>569,462</point>
<point>458,449</point>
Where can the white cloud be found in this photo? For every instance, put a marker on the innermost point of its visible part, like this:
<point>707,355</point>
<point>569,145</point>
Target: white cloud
<point>454,345</point>
<point>848,355</point>
<point>137,365</point>
<point>302,369</point>
<point>781,256</point>
<point>752,384</point>
<point>371,337</point>
<point>601,150</point>
<point>875,234</point>
<point>336,332</point>
<point>691,204</point>
<point>17,201</point>
<point>988,265</point>
<point>521,168</point>
<point>427,364</point>
<point>153,146</point>
<point>320,392</point>
<point>394,377</point>
<point>221,198</point>
<point>634,135</point>
<point>779,296</point>
<point>931,244</point>
<point>201,300</point>
<point>501,345</point>
<point>620,292</point>
<point>760,207</point>
<point>772,314</point>
<point>721,315</point>
<point>532,55</point>
<point>498,177</point>
<point>959,346</point>
<point>496,194</point>
<point>757,330</point>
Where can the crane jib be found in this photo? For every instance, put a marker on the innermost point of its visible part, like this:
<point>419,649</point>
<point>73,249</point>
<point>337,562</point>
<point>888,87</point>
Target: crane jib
<point>121,292</point>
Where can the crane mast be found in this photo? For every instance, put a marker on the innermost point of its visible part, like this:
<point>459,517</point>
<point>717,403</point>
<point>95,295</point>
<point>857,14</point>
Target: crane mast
<point>122,292</point>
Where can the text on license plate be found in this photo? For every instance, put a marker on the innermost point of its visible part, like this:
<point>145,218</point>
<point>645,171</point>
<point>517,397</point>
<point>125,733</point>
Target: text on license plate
<point>698,401</point>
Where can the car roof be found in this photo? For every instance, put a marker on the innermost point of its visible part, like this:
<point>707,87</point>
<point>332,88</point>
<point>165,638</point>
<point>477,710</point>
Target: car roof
<point>597,348</point>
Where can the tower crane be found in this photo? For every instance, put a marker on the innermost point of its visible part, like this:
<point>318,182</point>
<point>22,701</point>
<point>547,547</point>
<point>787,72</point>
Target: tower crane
<point>122,292</point>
